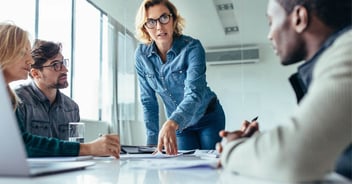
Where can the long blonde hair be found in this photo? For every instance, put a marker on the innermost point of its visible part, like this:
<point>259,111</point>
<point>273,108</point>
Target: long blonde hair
<point>13,41</point>
<point>141,17</point>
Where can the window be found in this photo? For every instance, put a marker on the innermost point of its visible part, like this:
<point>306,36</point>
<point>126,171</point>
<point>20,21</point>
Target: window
<point>54,24</point>
<point>22,15</point>
<point>108,69</point>
<point>87,62</point>
<point>121,61</point>
<point>126,77</point>
<point>101,69</point>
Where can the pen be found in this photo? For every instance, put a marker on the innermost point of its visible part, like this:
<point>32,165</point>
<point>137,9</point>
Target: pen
<point>254,119</point>
<point>224,140</point>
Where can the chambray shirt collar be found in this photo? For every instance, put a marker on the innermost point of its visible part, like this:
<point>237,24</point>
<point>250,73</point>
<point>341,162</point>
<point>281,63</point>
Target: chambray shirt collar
<point>39,94</point>
<point>151,49</point>
<point>175,47</point>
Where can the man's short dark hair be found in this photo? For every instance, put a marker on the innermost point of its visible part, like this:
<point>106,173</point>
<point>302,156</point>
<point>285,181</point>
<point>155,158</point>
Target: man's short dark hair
<point>334,13</point>
<point>43,51</point>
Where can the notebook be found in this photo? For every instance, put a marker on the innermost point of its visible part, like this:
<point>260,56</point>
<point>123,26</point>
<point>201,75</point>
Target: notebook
<point>13,156</point>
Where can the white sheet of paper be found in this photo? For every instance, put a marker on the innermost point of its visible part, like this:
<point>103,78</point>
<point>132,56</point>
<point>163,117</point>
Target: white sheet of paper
<point>151,156</point>
<point>173,164</point>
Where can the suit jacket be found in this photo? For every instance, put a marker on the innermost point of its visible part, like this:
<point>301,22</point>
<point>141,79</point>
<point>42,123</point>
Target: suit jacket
<point>307,145</point>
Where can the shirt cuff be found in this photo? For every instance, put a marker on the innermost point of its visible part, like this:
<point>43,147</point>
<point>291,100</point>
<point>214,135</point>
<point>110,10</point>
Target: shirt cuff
<point>180,121</point>
<point>70,148</point>
<point>228,149</point>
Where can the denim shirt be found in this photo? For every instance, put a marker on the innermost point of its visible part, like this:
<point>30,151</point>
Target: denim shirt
<point>180,82</point>
<point>41,118</point>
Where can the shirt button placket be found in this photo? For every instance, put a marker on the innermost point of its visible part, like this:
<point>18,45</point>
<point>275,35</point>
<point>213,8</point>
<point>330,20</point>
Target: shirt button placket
<point>163,82</point>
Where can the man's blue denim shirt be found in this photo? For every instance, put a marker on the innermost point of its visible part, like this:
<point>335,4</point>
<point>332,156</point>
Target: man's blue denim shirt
<point>180,82</point>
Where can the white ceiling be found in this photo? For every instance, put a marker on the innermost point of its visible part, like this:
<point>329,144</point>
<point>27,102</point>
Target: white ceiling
<point>202,21</point>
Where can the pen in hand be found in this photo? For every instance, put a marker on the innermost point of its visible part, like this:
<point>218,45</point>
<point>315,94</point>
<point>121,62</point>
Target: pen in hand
<point>250,129</point>
<point>254,119</point>
<point>246,132</point>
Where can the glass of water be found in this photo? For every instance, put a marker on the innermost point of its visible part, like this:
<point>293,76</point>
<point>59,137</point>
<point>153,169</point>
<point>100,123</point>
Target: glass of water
<point>76,132</point>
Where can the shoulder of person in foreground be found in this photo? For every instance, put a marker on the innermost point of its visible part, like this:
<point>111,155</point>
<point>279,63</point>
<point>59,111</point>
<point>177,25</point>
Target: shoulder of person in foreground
<point>337,57</point>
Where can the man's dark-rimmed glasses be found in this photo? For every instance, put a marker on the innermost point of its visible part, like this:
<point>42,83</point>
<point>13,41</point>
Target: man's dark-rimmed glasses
<point>57,65</point>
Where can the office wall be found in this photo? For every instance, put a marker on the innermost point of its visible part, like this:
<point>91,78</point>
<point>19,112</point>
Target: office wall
<point>259,89</point>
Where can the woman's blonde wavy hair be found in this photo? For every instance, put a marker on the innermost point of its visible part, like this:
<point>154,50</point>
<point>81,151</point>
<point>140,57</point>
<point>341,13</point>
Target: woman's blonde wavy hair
<point>13,41</point>
<point>141,17</point>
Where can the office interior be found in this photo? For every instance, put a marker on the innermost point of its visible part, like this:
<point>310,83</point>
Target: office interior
<point>98,38</point>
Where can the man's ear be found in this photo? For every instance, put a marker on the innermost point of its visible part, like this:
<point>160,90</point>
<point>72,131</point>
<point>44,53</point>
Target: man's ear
<point>299,18</point>
<point>35,73</point>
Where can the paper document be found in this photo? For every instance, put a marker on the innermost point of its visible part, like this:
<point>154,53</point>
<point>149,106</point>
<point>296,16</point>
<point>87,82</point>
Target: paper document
<point>151,156</point>
<point>173,164</point>
<point>129,149</point>
<point>207,153</point>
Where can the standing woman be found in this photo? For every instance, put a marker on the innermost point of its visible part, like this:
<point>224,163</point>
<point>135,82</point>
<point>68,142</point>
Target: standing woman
<point>15,64</point>
<point>172,65</point>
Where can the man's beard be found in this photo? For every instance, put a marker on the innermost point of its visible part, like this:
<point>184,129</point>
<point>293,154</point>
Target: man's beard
<point>61,86</point>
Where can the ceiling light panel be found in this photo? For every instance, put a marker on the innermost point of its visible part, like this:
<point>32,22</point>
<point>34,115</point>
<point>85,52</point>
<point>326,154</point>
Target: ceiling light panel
<point>226,12</point>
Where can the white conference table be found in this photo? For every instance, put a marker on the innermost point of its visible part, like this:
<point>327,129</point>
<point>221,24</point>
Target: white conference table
<point>108,170</point>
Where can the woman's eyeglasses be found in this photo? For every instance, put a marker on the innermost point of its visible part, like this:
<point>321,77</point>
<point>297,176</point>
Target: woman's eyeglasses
<point>163,19</point>
<point>57,65</point>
